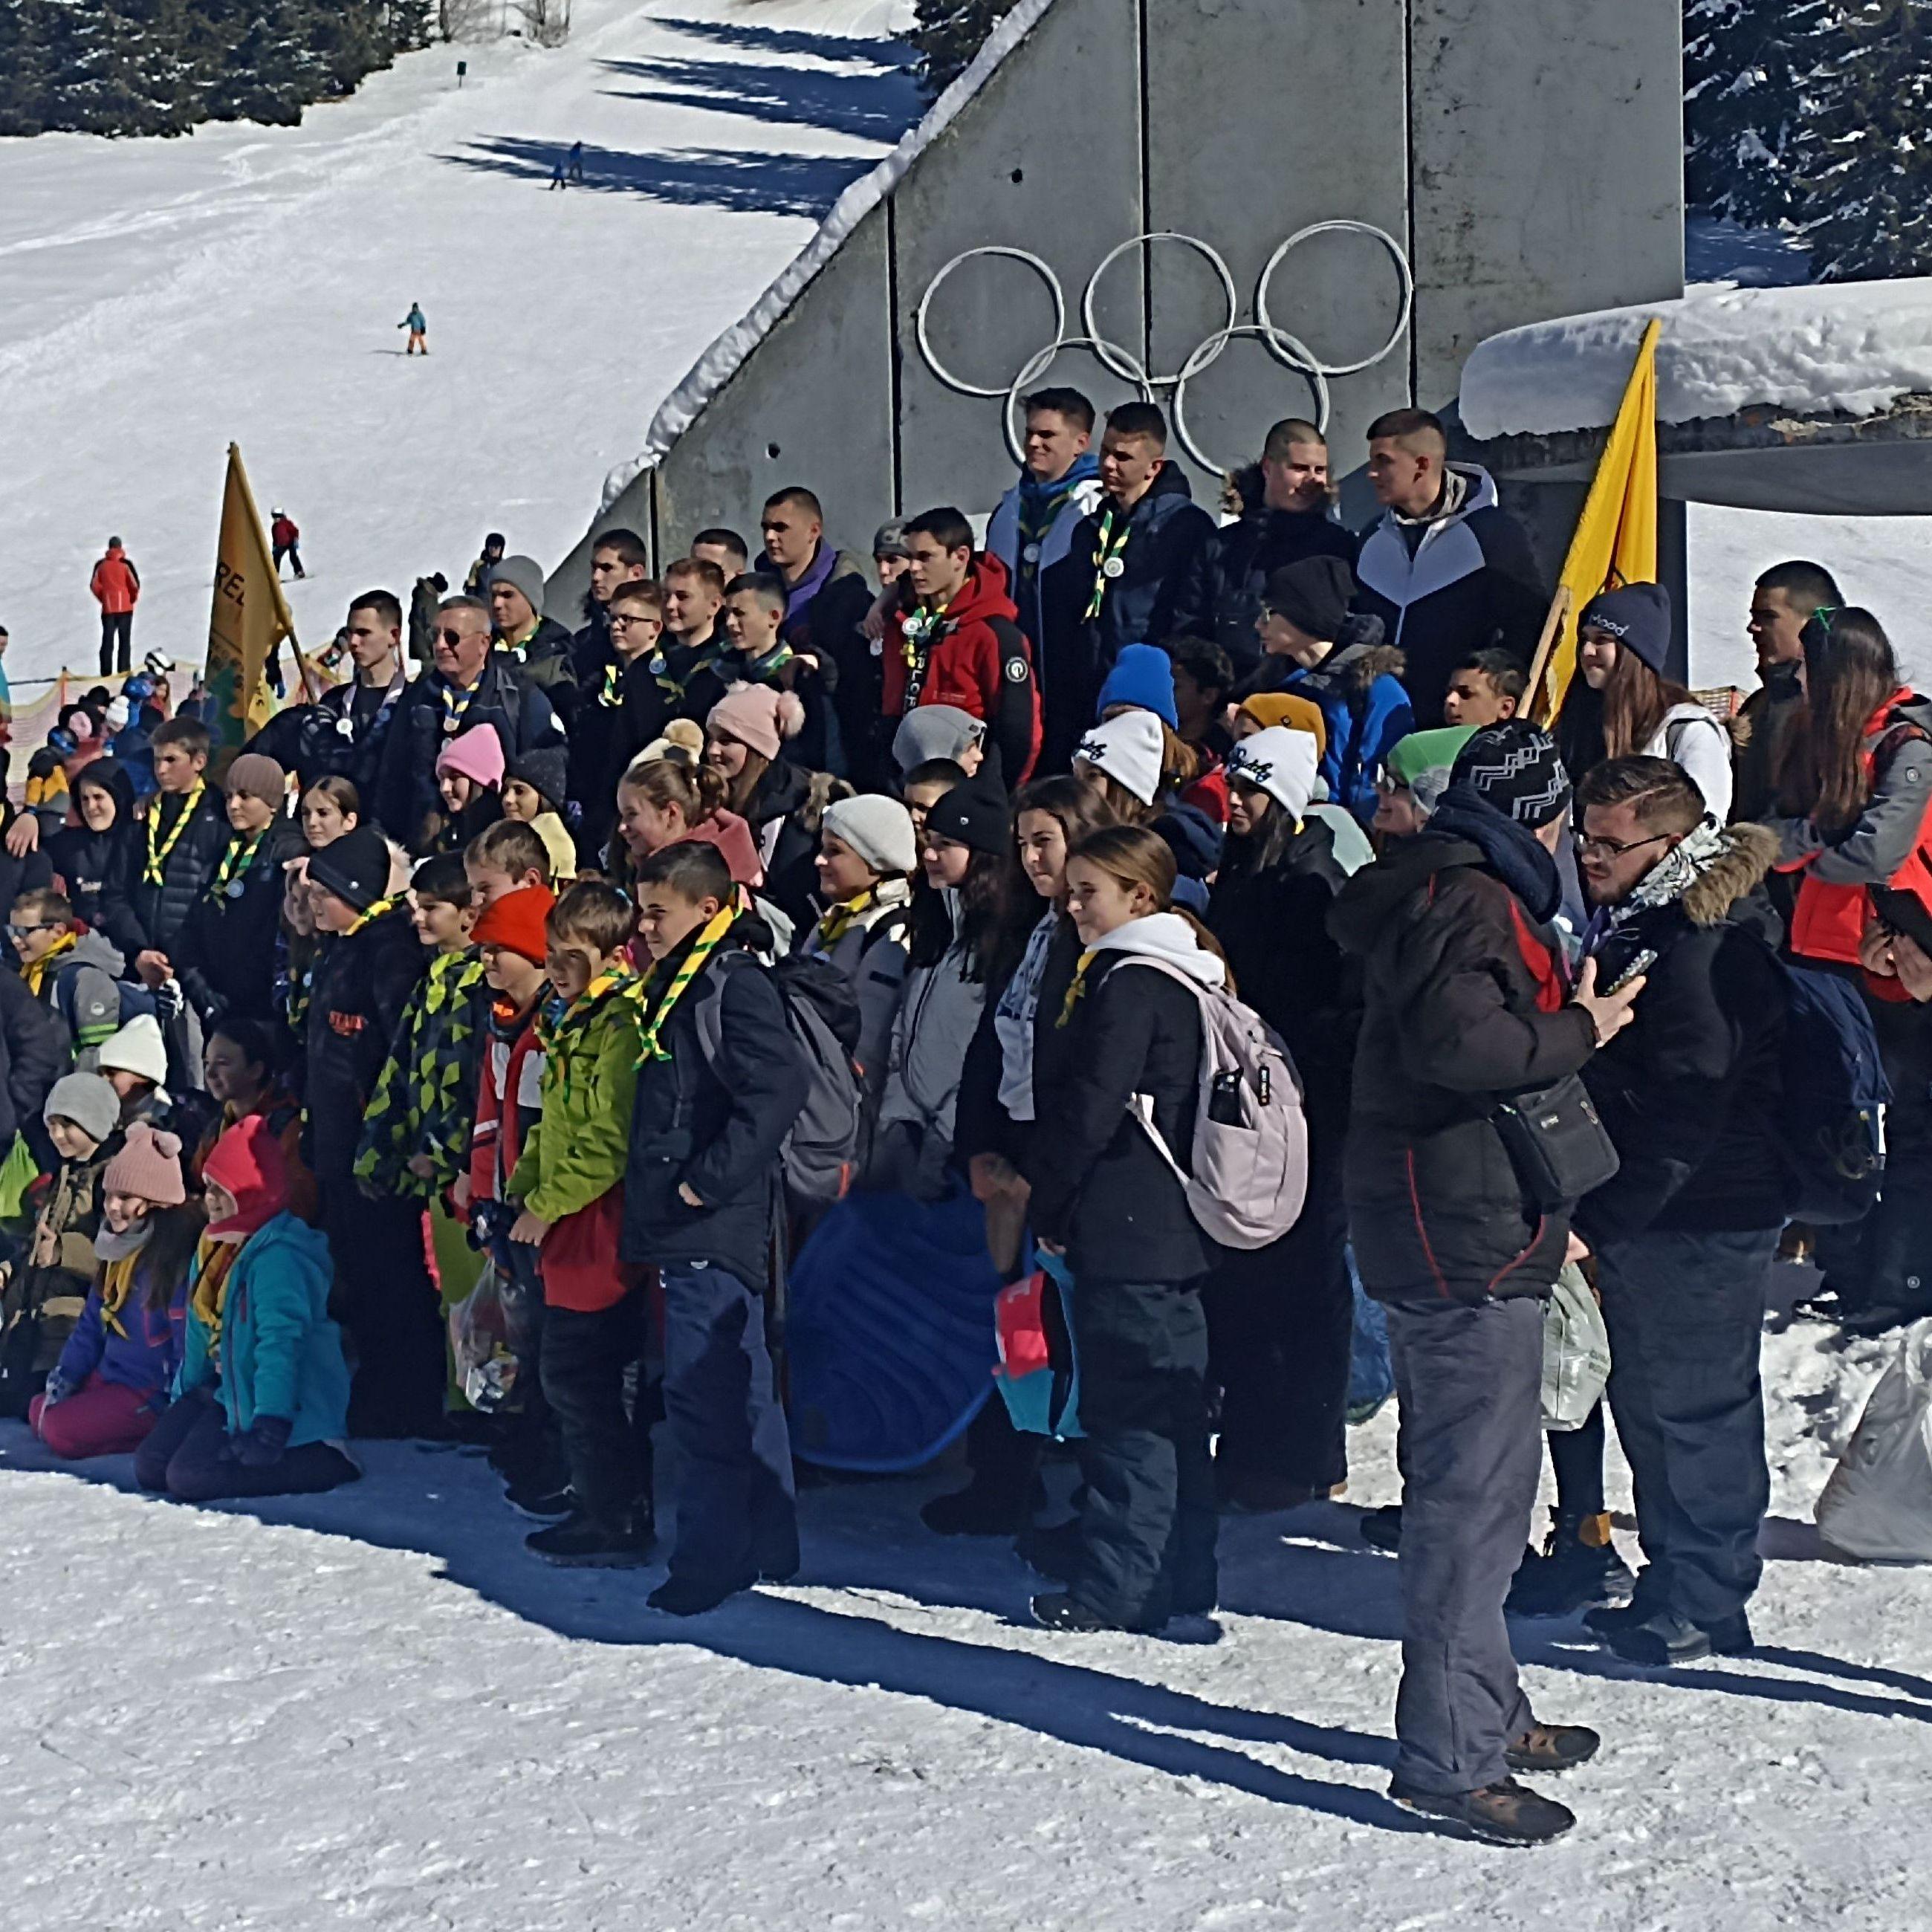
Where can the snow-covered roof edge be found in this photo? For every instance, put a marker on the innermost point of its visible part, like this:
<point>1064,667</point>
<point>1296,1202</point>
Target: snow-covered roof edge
<point>721,361</point>
<point>1849,349</point>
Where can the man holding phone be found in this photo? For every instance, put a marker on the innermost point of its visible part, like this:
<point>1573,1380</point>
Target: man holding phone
<point>1685,1234</point>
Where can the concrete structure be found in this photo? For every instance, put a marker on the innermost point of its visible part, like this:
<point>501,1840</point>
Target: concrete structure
<point>1522,156</point>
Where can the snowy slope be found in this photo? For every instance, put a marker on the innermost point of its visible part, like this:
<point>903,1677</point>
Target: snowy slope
<point>159,298</point>
<point>372,1709</point>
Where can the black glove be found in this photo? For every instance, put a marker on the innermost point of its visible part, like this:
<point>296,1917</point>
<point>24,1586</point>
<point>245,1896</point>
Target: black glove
<point>257,1447</point>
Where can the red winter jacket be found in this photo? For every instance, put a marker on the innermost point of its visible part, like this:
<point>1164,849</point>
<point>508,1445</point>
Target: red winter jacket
<point>116,583</point>
<point>980,662</point>
<point>283,531</point>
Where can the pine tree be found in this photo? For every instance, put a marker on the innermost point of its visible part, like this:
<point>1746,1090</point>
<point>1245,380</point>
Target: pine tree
<point>1745,67</point>
<point>1864,165</point>
<point>949,33</point>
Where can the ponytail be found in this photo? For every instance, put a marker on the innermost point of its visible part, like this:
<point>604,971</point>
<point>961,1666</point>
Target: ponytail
<point>698,791</point>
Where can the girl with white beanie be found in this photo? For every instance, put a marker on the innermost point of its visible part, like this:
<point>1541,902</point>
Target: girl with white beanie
<point>1280,1319</point>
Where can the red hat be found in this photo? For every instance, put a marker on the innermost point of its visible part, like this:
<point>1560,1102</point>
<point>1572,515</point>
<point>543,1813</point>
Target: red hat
<point>247,1160</point>
<point>515,923</point>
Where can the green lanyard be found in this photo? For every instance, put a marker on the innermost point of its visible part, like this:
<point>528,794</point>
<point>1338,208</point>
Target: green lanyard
<point>1107,560</point>
<point>234,862</point>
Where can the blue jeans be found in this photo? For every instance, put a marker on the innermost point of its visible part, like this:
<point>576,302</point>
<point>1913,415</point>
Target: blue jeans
<point>736,1517</point>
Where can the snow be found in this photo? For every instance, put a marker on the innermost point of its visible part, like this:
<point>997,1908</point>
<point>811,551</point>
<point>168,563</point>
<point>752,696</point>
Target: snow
<point>372,1708</point>
<point>1849,347</point>
<point>159,298</point>
<point>721,361</point>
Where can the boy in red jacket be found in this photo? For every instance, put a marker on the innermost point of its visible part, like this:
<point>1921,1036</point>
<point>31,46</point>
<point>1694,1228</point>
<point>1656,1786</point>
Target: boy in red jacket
<point>955,639</point>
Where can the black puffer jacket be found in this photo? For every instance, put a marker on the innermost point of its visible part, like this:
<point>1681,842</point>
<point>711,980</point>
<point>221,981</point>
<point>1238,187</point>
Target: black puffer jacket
<point>1272,924</point>
<point>33,1056</point>
<point>1463,1004</point>
<point>224,955</point>
<point>1100,1188</point>
<point>19,875</point>
<point>361,982</point>
<point>406,792</point>
<point>136,914</point>
<point>716,1126</point>
<point>80,858</point>
<point>1237,564</point>
<point>1689,1089</point>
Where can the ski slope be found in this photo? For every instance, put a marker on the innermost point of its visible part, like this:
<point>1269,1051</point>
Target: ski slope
<point>159,298</point>
<point>373,1709</point>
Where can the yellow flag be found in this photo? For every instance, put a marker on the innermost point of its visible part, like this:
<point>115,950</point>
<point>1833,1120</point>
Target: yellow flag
<point>250,617</point>
<point>1615,541</point>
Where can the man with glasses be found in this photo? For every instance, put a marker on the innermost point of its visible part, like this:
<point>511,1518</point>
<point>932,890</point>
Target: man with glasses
<point>468,683</point>
<point>1684,1235</point>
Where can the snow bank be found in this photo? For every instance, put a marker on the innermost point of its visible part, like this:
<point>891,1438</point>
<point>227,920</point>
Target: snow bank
<point>1852,348</point>
<point>721,361</point>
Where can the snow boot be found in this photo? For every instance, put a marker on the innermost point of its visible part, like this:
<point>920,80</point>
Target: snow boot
<point>1578,1570</point>
<point>1059,1612</point>
<point>1880,1319</point>
<point>1381,1528</point>
<point>682,1596</point>
<point>1552,1747</point>
<point>581,1542</point>
<point>542,1499</point>
<point>1505,1813</point>
<point>1053,1552</point>
<point>1664,1638</point>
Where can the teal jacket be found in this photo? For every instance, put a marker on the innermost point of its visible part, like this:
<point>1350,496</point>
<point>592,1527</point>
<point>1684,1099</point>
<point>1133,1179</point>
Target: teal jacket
<point>281,1353</point>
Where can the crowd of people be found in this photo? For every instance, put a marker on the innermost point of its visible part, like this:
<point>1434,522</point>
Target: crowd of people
<point>481,1047</point>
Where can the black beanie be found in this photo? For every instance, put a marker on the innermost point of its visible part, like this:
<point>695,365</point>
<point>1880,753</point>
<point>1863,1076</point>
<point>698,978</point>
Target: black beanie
<point>1516,767</point>
<point>355,867</point>
<point>972,814</point>
<point>1638,616</point>
<point>1314,594</point>
<point>544,770</point>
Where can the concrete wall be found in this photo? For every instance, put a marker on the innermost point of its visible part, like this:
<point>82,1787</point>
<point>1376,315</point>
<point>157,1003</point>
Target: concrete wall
<point>1524,153</point>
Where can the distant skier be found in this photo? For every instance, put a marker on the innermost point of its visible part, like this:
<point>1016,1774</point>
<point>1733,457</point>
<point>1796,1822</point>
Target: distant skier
<point>556,180</point>
<point>286,540</point>
<point>116,586</point>
<point>419,330</point>
<point>577,162</point>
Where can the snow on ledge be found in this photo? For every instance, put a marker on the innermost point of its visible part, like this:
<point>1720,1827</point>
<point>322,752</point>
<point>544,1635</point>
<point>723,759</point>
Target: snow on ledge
<point>1849,348</point>
<point>721,362</point>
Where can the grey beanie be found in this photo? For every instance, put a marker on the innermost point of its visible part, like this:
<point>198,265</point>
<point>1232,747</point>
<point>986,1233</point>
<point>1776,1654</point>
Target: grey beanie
<point>88,1101</point>
<point>891,539</point>
<point>526,575</point>
<point>934,731</point>
<point>877,828</point>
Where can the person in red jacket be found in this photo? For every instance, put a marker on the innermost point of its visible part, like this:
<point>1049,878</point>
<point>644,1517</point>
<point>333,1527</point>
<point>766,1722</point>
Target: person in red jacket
<point>955,638</point>
<point>287,539</point>
<point>116,586</point>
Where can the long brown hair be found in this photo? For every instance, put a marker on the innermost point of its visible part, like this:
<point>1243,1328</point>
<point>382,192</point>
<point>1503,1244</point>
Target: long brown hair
<point>1849,672</point>
<point>698,790</point>
<point>739,791</point>
<point>1078,807</point>
<point>1619,720</point>
<point>1133,856</point>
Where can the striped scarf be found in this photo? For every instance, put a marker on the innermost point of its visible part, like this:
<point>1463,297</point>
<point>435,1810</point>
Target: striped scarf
<point>207,1286</point>
<point>554,1029</point>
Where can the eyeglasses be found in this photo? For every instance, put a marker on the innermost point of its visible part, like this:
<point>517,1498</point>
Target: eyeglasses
<point>446,637</point>
<point>1610,848</point>
<point>623,620</point>
<point>25,931</point>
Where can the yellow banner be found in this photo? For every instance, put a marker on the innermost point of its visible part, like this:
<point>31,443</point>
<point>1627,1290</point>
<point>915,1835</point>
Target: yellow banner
<point>250,617</point>
<point>1616,541</point>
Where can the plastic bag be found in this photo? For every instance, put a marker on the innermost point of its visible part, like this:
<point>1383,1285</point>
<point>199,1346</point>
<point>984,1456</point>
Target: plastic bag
<point>1575,1351</point>
<point>1877,1506</point>
<point>484,1331</point>
<point>1038,1375</point>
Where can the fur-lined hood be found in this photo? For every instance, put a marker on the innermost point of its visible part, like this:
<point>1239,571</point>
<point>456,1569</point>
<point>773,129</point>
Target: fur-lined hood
<point>1360,657</point>
<point>1749,852</point>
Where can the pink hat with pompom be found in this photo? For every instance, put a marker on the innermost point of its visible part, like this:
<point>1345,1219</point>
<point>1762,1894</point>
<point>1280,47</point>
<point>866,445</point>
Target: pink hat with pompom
<point>759,715</point>
<point>477,755</point>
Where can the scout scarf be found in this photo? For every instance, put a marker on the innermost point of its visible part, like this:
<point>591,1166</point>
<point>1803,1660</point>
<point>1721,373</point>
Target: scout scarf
<point>158,848</point>
<point>706,943</point>
<point>1108,563</point>
<point>36,974</point>
<point>234,863</point>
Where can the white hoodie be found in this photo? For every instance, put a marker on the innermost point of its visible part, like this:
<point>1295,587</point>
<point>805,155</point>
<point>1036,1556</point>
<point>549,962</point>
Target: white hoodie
<point>1168,937</point>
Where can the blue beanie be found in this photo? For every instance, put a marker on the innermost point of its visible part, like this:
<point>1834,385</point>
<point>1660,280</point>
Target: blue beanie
<point>1638,616</point>
<point>1143,677</point>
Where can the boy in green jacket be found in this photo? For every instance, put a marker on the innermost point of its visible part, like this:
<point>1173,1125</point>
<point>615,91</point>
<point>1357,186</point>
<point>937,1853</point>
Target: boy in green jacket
<point>569,1181</point>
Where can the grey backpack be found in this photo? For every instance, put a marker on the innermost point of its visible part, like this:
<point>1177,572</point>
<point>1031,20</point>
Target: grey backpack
<point>1247,1171</point>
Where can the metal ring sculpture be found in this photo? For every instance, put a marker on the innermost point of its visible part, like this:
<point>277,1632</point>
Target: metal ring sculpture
<point>1288,349</point>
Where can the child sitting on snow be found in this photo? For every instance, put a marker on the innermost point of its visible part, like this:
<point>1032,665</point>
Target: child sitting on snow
<point>262,1400</point>
<point>113,1379</point>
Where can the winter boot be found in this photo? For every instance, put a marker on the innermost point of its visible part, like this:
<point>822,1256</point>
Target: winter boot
<point>1665,1639</point>
<point>682,1596</point>
<point>543,1499</point>
<point>1505,1813</point>
<point>1552,1747</point>
<point>1060,1612</point>
<point>581,1542</point>
<point>1381,1528</point>
<point>1579,1569</point>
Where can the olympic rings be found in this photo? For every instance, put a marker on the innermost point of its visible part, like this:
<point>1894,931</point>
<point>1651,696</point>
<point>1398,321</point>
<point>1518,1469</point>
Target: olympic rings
<point>1288,349</point>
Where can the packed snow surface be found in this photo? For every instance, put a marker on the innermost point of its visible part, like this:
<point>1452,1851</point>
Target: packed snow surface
<point>372,1708</point>
<point>1852,348</point>
<point>160,298</point>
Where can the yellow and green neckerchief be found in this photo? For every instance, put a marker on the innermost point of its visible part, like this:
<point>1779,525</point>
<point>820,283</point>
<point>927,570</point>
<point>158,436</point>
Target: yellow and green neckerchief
<point>36,974</point>
<point>235,862</point>
<point>706,943</point>
<point>158,848</point>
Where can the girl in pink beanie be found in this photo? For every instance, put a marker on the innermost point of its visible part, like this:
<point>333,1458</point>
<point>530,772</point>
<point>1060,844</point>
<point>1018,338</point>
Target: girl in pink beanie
<point>781,803</point>
<point>111,1381</point>
<point>470,776</point>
